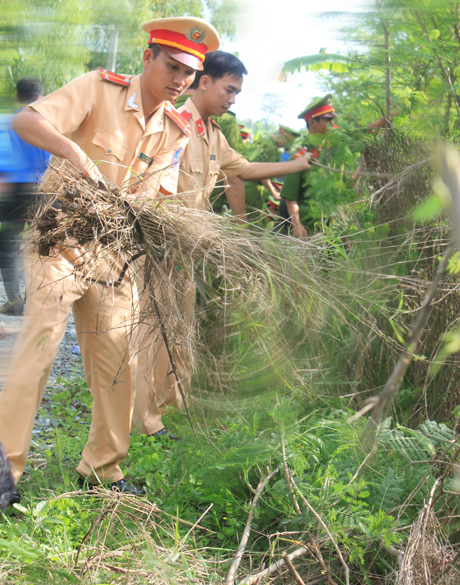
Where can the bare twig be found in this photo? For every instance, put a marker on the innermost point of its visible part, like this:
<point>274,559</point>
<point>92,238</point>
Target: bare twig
<point>287,473</point>
<point>198,521</point>
<point>386,396</point>
<point>393,552</point>
<point>253,579</point>
<point>317,552</point>
<point>244,539</point>
<point>291,569</point>
<point>321,521</point>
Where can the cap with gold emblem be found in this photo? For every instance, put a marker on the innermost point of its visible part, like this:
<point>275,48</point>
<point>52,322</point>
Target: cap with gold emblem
<point>185,39</point>
<point>289,132</point>
<point>319,107</point>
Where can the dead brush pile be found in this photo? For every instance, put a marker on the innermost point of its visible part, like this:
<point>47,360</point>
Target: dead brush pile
<point>244,277</point>
<point>412,171</point>
<point>428,555</point>
<point>129,541</point>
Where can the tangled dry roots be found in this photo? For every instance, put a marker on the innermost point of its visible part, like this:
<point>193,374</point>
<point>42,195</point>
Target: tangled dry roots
<point>244,276</point>
<point>427,554</point>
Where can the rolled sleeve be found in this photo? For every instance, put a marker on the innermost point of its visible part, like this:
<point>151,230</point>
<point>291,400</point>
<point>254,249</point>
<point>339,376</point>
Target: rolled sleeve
<point>291,187</point>
<point>168,160</point>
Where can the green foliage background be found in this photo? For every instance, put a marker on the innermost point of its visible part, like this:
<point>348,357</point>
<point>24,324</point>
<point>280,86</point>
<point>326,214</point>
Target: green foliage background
<point>57,41</point>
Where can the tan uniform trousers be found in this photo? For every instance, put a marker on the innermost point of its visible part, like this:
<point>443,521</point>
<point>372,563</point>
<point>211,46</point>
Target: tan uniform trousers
<point>156,386</point>
<point>102,321</point>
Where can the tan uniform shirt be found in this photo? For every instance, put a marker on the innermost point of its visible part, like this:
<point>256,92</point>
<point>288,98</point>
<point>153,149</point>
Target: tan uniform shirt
<point>107,121</point>
<point>207,155</point>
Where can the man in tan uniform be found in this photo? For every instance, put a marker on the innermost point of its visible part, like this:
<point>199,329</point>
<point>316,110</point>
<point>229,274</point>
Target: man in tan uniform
<point>207,156</point>
<point>120,123</point>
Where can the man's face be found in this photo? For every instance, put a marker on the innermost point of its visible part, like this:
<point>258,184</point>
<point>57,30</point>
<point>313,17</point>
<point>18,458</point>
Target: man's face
<point>281,140</point>
<point>164,78</point>
<point>220,94</point>
<point>320,125</point>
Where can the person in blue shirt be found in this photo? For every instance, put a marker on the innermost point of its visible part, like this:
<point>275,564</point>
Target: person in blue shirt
<point>23,166</point>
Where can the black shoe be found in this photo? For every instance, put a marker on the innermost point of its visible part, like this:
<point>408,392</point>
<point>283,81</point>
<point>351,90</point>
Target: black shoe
<point>164,433</point>
<point>15,498</point>
<point>83,483</point>
<point>125,488</point>
<point>16,308</point>
<point>121,486</point>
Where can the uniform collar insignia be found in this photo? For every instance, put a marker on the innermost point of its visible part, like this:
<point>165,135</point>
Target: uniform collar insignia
<point>200,127</point>
<point>131,103</point>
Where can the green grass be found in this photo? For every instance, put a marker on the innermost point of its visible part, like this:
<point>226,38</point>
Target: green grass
<point>197,493</point>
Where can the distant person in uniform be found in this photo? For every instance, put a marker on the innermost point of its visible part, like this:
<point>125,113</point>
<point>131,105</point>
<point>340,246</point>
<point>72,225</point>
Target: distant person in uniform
<point>126,125</point>
<point>206,157</point>
<point>319,117</point>
<point>29,164</point>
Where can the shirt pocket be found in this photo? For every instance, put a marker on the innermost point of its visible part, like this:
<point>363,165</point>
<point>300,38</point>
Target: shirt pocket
<point>196,166</point>
<point>110,145</point>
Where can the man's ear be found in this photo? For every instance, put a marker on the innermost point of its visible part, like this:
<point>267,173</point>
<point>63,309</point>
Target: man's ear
<point>16,99</point>
<point>205,82</point>
<point>147,57</point>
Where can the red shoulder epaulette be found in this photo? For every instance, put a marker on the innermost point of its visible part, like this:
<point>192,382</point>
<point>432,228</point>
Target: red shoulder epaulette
<point>303,150</point>
<point>174,115</point>
<point>114,77</point>
<point>214,123</point>
<point>186,115</point>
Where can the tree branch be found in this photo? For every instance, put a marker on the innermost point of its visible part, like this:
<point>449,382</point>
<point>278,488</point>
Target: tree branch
<point>253,579</point>
<point>321,521</point>
<point>244,539</point>
<point>292,570</point>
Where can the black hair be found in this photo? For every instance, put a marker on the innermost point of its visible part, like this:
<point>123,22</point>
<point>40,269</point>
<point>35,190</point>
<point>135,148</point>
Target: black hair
<point>219,64</point>
<point>29,90</point>
<point>155,50</point>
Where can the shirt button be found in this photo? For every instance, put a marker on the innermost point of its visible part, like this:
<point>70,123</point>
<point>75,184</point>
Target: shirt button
<point>109,150</point>
<point>167,108</point>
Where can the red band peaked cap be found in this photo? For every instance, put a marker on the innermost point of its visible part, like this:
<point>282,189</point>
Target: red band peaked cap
<point>185,39</point>
<point>318,112</point>
<point>319,107</point>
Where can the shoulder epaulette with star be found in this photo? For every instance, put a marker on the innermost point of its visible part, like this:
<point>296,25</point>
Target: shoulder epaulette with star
<point>174,115</point>
<point>114,77</point>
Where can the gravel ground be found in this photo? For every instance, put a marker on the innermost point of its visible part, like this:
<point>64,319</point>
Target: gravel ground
<point>65,364</point>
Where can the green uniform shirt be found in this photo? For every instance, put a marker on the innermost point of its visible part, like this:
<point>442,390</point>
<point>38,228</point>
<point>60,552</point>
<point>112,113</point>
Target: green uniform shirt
<point>255,193</point>
<point>294,190</point>
<point>229,128</point>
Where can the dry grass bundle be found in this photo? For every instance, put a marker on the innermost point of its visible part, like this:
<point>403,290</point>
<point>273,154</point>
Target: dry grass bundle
<point>123,539</point>
<point>246,277</point>
<point>427,554</point>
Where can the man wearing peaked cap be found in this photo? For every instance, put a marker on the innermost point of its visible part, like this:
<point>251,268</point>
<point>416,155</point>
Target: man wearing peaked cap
<point>207,158</point>
<point>185,39</point>
<point>319,116</point>
<point>126,125</point>
<point>284,135</point>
